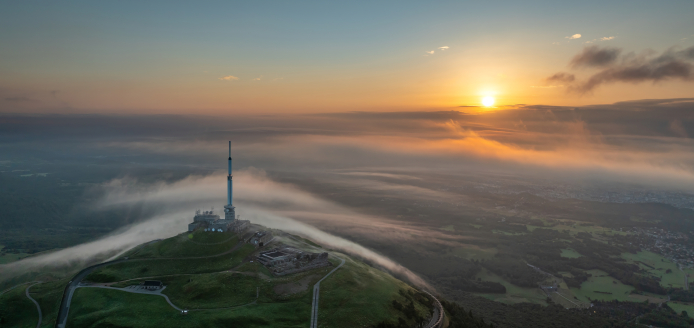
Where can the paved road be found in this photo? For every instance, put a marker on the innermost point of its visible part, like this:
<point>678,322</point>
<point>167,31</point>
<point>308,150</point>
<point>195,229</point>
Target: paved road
<point>38,307</point>
<point>316,292</point>
<point>70,289</point>
<point>61,322</point>
<point>437,317</point>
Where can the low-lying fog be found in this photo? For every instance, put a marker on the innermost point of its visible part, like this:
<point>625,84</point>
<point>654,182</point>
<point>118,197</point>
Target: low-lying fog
<point>297,173</point>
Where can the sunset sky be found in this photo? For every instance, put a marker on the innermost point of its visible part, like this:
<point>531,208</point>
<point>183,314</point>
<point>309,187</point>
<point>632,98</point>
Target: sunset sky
<point>232,57</point>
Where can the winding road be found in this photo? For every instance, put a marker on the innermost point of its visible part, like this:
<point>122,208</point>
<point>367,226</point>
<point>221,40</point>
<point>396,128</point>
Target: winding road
<point>437,317</point>
<point>316,292</point>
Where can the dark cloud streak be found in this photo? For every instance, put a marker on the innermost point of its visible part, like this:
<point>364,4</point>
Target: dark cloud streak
<point>630,68</point>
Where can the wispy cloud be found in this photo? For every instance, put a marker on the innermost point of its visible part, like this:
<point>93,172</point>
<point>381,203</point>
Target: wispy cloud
<point>430,52</point>
<point>595,56</point>
<point>672,64</point>
<point>229,78</point>
<point>258,78</point>
<point>560,78</point>
<point>573,37</point>
<point>607,38</point>
<point>444,48</point>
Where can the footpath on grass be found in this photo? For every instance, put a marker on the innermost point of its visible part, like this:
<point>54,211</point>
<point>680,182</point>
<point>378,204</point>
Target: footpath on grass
<point>38,307</point>
<point>138,291</point>
<point>316,292</point>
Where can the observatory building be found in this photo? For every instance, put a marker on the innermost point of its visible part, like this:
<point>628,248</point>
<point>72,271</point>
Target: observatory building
<point>212,222</point>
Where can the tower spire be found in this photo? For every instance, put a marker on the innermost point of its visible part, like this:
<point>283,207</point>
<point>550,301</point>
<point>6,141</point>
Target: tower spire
<point>229,210</point>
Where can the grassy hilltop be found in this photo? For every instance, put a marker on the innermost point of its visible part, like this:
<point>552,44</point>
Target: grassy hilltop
<point>211,275</point>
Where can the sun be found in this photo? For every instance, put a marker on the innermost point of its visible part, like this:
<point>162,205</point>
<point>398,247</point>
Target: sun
<point>488,101</point>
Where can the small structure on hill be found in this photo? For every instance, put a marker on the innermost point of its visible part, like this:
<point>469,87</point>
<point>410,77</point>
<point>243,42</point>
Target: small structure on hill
<point>286,260</point>
<point>203,219</point>
<point>152,285</point>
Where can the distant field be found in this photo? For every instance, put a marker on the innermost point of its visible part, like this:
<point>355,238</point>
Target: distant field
<point>8,257</point>
<point>599,285</point>
<point>514,294</point>
<point>570,253</point>
<point>473,252</point>
<point>508,233</point>
<point>450,228</point>
<point>680,306</point>
<point>645,259</point>
<point>575,227</point>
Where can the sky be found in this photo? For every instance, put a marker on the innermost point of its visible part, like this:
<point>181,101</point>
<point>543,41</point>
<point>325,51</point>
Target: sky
<point>278,57</point>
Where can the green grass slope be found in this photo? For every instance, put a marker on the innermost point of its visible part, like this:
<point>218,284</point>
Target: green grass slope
<point>229,290</point>
<point>16,310</point>
<point>162,267</point>
<point>358,295</point>
<point>198,243</point>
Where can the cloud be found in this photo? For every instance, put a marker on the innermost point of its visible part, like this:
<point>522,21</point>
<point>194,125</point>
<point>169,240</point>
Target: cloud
<point>607,38</point>
<point>229,78</point>
<point>573,37</point>
<point>560,78</point>
<point>430,52</point>
<point>444,48</point>
<point>594,56</point>
<point>259,199</point>
<point>672,64</point>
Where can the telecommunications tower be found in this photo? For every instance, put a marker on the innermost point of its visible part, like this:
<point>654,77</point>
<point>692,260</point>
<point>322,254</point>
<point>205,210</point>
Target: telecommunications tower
<point>229,209</point>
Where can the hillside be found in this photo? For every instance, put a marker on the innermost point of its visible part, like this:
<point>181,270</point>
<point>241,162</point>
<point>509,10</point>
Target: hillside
<point>218,280</point>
